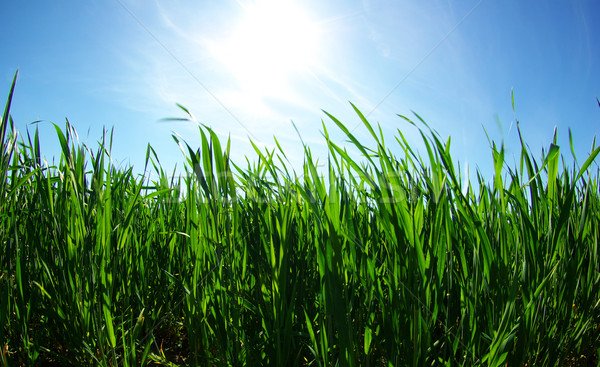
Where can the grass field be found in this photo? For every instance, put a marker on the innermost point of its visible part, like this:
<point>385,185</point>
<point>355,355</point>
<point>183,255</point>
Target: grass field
<point>379,260</point>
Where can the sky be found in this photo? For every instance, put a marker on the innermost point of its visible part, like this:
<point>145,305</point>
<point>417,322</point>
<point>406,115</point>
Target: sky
<point>249,68</point>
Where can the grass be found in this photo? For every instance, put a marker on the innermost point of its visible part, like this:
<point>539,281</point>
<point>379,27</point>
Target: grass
<point>387,261</point>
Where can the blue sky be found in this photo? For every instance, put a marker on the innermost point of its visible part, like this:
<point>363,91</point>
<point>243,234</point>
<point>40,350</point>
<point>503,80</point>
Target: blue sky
<point>248,68</point>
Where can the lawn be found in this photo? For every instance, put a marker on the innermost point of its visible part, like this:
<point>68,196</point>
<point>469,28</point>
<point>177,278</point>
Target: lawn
<point>379,260</point>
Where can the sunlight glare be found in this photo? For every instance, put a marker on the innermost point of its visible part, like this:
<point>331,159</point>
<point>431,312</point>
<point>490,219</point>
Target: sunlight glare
<point>274,40</point>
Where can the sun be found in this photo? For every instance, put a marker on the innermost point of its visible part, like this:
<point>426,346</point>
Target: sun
<point>274,40</point>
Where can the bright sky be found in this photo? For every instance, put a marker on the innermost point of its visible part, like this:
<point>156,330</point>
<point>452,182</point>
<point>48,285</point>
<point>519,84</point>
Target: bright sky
<point>248,68</point>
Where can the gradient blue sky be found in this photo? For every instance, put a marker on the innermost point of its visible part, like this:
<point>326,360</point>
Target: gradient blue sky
<point>247,68</point>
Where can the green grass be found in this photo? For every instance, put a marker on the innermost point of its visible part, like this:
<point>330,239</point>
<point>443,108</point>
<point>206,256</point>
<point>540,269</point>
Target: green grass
<point>382,261</point>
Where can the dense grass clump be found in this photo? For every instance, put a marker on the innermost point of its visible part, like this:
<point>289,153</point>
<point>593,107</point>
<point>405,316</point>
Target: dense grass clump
<point>390,261</point>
